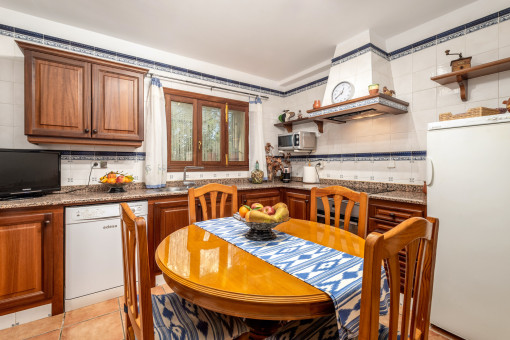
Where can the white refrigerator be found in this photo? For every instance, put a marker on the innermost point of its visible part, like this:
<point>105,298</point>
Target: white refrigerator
<point>468,178</point>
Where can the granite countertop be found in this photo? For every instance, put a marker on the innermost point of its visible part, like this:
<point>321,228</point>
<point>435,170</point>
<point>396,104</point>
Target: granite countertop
<point>97,195</point>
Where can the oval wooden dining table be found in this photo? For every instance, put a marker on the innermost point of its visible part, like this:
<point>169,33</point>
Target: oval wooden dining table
<point>214,274</point>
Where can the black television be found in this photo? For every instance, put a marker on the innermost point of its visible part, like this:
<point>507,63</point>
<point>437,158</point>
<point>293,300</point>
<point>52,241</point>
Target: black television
<point>28,172</point>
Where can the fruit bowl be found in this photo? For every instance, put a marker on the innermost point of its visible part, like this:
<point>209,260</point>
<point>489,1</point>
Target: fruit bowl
<point>259,231</point>
<point>116,181</point>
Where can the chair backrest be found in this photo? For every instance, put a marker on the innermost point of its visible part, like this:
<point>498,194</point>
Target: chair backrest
<point>339,194</point>
<point>212,189</point>
<point>137,296</point>
<point>418,238</point>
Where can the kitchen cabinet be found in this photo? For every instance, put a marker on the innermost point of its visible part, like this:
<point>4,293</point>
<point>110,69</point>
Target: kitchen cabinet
<point>76,99</point>
<point>165,216</point>
<point>264,197</point>
<point>298,202</point>
<point>385,215</point>
<point>31,259</point>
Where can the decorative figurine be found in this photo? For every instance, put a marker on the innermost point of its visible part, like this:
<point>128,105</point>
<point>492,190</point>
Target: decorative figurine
<point>388,92</point>
<point>316,104</point>
<point>269,149</point>
<point>459,64</point>
<point>273,163</point>
<point>299,115</point>
<point>507,102</point>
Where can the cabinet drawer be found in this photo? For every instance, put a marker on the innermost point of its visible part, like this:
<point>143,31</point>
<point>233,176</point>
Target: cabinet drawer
<point>379,226</point>
<point>394,214</point>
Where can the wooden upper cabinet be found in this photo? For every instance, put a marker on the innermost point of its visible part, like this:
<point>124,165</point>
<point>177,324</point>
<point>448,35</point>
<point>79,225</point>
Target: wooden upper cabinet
<point>118,100</point>
<point>59,100</point>
<point>77,99</point>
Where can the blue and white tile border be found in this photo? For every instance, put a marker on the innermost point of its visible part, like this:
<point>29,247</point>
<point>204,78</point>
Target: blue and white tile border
<point>453,33</point>
<point>363,157</point>
<point>67,155</point>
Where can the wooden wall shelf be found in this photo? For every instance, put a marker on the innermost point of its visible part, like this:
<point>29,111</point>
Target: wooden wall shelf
<point>340,113</point>
<point>462,76</point>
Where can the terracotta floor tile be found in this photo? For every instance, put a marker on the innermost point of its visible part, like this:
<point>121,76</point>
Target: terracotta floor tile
<point>106,327</point>
<point>158,290</point>
<point>435,336</point>
<point>33,328</point>
<point>92,311</point>
<point>54,335</point>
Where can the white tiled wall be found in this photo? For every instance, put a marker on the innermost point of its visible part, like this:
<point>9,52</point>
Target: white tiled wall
<point>410,76</point>
<point>76,172</point>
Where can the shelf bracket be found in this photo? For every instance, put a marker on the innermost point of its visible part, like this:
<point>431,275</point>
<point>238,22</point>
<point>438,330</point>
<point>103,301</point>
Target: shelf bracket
<point>320,124</point>
<point>288,127</point>
<point>463,86</point>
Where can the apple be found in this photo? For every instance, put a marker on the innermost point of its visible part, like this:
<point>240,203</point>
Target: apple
<point>120,179</point>
<point>256,206</point>
<point>268,210</point>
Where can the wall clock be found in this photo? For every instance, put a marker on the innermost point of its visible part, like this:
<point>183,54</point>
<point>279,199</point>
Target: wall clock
<point>343,91</point>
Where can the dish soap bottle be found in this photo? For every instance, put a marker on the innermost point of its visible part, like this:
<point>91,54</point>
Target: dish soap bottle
<point>257,175</point>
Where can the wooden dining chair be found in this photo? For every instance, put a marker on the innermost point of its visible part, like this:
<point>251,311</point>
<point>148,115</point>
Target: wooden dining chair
<point>212,189</point>
<point>162,316</point>
<point>339,194</point>
<point>417,237</point>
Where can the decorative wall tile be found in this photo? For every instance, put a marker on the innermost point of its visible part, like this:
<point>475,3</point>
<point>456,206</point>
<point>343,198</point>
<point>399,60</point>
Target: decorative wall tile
<point>28,35</point>
<point>106,54</point>
<point>56,42</point>
<point>82,48</point>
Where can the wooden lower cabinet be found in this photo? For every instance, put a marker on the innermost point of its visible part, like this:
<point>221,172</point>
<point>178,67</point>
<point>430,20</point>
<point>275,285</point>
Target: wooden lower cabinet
<point>298,202</point>
<point>31,259</point>
<point>385,215</point>
<point>264,197</point>
<point>165,216</point>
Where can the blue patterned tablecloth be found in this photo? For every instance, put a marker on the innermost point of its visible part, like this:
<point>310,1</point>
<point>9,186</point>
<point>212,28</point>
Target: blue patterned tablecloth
<point>336,273</point>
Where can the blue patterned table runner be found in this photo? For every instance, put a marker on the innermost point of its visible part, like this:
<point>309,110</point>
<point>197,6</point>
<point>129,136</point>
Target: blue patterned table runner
<point>336,273</point>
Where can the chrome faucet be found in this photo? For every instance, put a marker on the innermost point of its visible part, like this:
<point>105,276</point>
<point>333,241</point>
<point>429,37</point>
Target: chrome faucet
<point>189,183</point>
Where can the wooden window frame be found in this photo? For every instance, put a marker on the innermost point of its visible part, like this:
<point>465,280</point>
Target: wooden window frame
<point>198,100</point>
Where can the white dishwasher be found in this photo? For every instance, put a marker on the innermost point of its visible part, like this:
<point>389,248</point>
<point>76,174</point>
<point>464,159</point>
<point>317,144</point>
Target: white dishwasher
<point>93,253</point>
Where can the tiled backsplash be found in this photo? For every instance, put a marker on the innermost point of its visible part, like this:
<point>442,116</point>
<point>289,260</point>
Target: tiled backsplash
<point>76,165</point>
<point>397,167</point>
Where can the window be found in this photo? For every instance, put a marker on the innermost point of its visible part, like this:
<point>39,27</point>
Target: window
<point>206,131</point>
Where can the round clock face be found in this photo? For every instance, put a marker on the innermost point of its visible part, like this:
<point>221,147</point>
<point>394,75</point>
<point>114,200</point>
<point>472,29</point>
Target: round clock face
<point>342,92</point>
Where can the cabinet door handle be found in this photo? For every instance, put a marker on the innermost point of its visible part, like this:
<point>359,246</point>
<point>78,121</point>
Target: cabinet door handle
<point>47,222</point>
<point>87,130</point>
<point>245,201</point>
<point>392,215</point>
<point>94,131</point>
<point>306,201</point>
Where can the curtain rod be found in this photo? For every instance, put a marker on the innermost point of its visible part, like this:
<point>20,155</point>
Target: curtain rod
<point>212,87</point>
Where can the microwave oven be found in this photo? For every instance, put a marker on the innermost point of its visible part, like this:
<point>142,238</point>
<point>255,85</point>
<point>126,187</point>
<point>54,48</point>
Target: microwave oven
<point>297,141</point>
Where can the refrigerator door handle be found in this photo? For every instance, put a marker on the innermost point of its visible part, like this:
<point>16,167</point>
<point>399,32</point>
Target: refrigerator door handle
<point>430,171</point>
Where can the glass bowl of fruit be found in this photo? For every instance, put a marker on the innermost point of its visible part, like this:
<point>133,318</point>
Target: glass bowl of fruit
<point>116,181</point>
<point>261,219</point>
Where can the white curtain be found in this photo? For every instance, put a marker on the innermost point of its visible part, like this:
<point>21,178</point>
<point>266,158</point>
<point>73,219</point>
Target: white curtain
<point>257,152</point>
<point>155,137</point>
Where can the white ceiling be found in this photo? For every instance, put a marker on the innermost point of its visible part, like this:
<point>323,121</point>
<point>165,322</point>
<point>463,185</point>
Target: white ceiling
<point>274,39</point>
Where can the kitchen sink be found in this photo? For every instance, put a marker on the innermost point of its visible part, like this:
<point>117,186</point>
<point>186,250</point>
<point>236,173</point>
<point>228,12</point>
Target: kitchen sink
<point>174,189</point>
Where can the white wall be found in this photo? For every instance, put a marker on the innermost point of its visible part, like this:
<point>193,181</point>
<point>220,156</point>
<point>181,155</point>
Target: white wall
<point>410,76</point>
<point>76,172</point>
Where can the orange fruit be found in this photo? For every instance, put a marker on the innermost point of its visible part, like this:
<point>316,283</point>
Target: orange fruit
<point>111,180</point>
<point>243,210</point>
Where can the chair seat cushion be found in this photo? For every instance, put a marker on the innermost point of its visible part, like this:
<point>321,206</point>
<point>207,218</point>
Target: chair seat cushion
<point>324,328</point>
<point>176,318</point>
